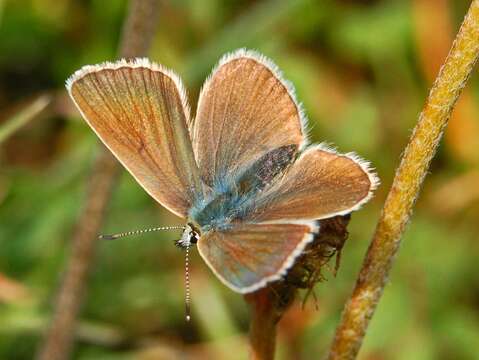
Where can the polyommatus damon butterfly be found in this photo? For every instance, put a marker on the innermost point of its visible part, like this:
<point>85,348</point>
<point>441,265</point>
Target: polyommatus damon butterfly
<point>240,172</point>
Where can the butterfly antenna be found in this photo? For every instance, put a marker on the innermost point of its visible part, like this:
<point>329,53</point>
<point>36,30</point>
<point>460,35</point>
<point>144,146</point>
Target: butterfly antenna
<point>138,232</point>
<point>187,284</point>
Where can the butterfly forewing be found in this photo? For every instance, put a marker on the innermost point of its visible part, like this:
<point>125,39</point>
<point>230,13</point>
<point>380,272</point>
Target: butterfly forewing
<point>139,111</point>
<point>247,257</point>
<point>319,184</point>
<point>245,110</point>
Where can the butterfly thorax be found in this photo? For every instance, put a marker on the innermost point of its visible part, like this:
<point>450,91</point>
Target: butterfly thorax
<point>220,211</point>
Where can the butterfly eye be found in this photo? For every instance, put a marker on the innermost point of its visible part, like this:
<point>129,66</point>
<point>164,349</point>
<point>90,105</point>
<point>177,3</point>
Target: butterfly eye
<point>194,237</point>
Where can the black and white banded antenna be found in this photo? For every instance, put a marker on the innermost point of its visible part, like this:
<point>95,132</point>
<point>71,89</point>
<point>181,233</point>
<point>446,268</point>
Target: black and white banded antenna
<point>139,232</point>
<point>189,237</point>
<point>187,284</point>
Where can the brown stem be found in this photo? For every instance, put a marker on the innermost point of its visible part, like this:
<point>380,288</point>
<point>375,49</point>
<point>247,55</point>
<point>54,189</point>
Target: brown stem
<point>264,317</point>
<point>405,188</point>
<point>137,36</point>
<point>139,28</point>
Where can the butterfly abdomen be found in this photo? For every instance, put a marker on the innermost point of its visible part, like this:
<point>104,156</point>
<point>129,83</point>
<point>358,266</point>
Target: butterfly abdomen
<point>263,171</point>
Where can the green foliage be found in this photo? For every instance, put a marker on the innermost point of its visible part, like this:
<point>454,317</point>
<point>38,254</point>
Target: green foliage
<point>362,73</point>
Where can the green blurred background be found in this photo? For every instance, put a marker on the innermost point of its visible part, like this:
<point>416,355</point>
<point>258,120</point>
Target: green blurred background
<point>362,70</point>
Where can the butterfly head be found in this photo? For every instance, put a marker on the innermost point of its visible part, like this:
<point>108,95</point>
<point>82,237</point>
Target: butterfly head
<point>190,236</point>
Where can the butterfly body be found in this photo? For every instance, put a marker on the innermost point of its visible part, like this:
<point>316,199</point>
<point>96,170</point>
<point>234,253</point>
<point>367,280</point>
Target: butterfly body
<point>240,172</point>
<point>232,198</point>
<point>219,212</point>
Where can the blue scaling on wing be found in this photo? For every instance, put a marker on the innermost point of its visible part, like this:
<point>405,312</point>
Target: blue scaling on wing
<point>232,197</point>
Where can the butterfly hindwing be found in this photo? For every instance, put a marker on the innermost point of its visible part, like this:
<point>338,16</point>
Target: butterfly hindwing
<point>248,256</point>
<point>319,184</point>
<point>139,110</point>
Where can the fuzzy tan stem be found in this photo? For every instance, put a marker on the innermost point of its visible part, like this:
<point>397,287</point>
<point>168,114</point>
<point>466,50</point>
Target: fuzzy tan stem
<point>405,188</point>
<point>137,36</point>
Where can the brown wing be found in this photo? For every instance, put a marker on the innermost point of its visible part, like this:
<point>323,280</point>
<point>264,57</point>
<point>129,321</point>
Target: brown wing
<point>139,110</point>
<point>245,110</point>
<point>247,257</point>
<point>320,184</point>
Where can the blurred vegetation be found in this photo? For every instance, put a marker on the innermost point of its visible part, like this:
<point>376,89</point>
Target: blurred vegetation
<point>362,70</point>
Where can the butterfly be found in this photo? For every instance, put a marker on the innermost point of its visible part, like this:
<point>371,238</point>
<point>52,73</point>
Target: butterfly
<point>241,172</point>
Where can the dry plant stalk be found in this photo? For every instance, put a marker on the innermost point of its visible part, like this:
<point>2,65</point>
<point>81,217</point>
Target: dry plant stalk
<point>137,36</point>
<point>28,113</point>
<point>270,303</point>
<point>405,188</point>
